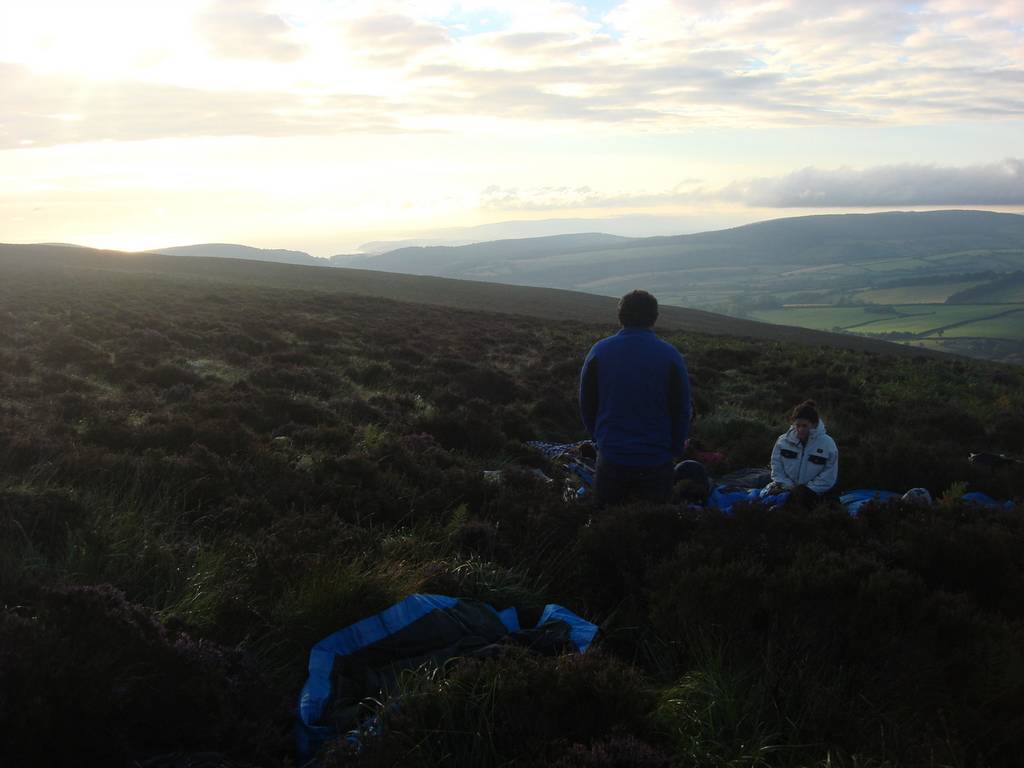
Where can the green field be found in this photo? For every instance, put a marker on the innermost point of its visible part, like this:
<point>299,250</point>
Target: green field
<point>921,318</point>
<point>1009,326</point>
<point>973,261</point>
<point>917,294</point>
<point>896,265</point>
<point>822,318</point>
<point>979,320</point>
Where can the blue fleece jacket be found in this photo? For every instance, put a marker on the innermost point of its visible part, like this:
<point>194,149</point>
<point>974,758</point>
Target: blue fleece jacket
<point>635,398</point>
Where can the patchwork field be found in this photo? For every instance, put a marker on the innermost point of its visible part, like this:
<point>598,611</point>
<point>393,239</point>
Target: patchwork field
<point>917,322</point>
<point>1009,326</point>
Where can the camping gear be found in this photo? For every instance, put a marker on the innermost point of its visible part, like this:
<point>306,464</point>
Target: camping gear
<point>854,500</point>
<point>918,496</point>
<point>364,660</point>
<point>723,497</point>
<point>984,500</point>
<point>579,460</point>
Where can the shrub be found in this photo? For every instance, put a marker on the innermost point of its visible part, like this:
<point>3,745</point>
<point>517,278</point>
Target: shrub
<point>615,752</point>
<point>482,712</point>
<point>167,375</point>
<point>110,685</point>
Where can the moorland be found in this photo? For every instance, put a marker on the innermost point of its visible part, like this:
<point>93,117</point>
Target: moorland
<point>206,467</point>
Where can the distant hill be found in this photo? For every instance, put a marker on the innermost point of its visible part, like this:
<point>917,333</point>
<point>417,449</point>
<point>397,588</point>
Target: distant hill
<point>231,251</point>
<point>800,241</point>
<point>454,261</point>
<point>1007,289</point>
<point>630,225</point>
<point>551,304</point>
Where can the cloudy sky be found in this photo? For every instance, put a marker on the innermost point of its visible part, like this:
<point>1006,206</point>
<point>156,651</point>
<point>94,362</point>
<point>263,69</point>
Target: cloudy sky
<point>320,124</point>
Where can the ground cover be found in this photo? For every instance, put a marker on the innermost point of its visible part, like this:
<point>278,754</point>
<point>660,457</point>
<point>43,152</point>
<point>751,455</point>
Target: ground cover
<point>201,478</point>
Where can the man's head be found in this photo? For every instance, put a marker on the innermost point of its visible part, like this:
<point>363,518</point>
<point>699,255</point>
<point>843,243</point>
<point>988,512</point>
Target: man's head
<point>638,309</point>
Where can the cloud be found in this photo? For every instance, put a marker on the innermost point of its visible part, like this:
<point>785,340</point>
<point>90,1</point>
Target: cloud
<point>393,39</point>
<point>552,198</point>
<point>48,110</point>
<point>652,66</point>
<point>995,184</point>
<point>521,41</point>
<point>242,29</point>
<point>885,186</point>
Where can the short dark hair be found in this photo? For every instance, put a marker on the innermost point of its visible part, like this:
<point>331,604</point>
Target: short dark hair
<point>638,309</point>
<point>808,409</point>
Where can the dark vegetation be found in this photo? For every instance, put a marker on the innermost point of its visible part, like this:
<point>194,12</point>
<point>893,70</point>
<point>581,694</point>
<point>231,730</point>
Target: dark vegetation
<point>199,480</point>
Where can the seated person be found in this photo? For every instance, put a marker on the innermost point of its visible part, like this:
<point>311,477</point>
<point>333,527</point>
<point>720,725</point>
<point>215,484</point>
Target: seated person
<point>805,460</point>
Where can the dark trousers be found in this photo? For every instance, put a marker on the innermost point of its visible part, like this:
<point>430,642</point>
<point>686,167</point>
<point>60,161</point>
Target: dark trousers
<point>618,483</point>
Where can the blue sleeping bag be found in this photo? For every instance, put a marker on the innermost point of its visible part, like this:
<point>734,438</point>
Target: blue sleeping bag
<point>854,500</point>
<point>723,497</point>
<point>365,659</point>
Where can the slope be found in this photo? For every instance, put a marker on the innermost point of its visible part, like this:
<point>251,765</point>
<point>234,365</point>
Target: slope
<point>545,303</point>
<point>232,251</point>
<point>804,240</point>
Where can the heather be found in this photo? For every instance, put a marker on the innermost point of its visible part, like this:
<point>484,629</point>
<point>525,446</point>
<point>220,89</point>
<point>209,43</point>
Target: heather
<point>199,480</point>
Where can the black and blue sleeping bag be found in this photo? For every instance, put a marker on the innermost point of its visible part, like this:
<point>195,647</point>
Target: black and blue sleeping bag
<point>365,659</point>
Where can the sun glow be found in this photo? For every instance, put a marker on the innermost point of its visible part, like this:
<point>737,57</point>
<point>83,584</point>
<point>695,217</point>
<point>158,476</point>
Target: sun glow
<point>102,39</point>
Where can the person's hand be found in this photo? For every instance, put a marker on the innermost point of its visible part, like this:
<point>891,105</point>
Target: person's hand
<point>775,488</point>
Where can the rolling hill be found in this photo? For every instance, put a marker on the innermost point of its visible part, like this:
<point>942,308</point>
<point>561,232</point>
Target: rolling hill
<point>807,241</point>
<point>775,271</point>
<point>232,251</point>
<point>546,303</point>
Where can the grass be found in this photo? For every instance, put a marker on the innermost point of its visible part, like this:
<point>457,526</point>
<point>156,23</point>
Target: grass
<point>821,317</point>
<point>895,265</point>
<point>180,521</point>
<point>995,322</point>
<point>1007,326</point>
<point>915,294</point>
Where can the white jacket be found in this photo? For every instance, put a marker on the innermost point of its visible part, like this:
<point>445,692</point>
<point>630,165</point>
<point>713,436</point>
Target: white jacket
<point>815,465</point>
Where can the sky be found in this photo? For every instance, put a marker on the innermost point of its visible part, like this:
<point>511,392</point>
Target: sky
<point>318,125</point>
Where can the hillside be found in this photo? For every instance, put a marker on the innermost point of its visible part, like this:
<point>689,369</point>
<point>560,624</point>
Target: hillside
<point>207,465</point>
<point>806,241</point>
<point>761,271</point>
<point>462,294</point>
<point>455,261</point>
<point>230,251</point>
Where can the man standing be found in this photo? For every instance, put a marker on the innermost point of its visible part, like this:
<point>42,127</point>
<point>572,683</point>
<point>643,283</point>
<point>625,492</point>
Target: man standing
<point>635,403</point>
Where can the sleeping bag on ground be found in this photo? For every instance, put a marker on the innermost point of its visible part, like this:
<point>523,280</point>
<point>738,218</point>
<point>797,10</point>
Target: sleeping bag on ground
<point>366,659</point>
